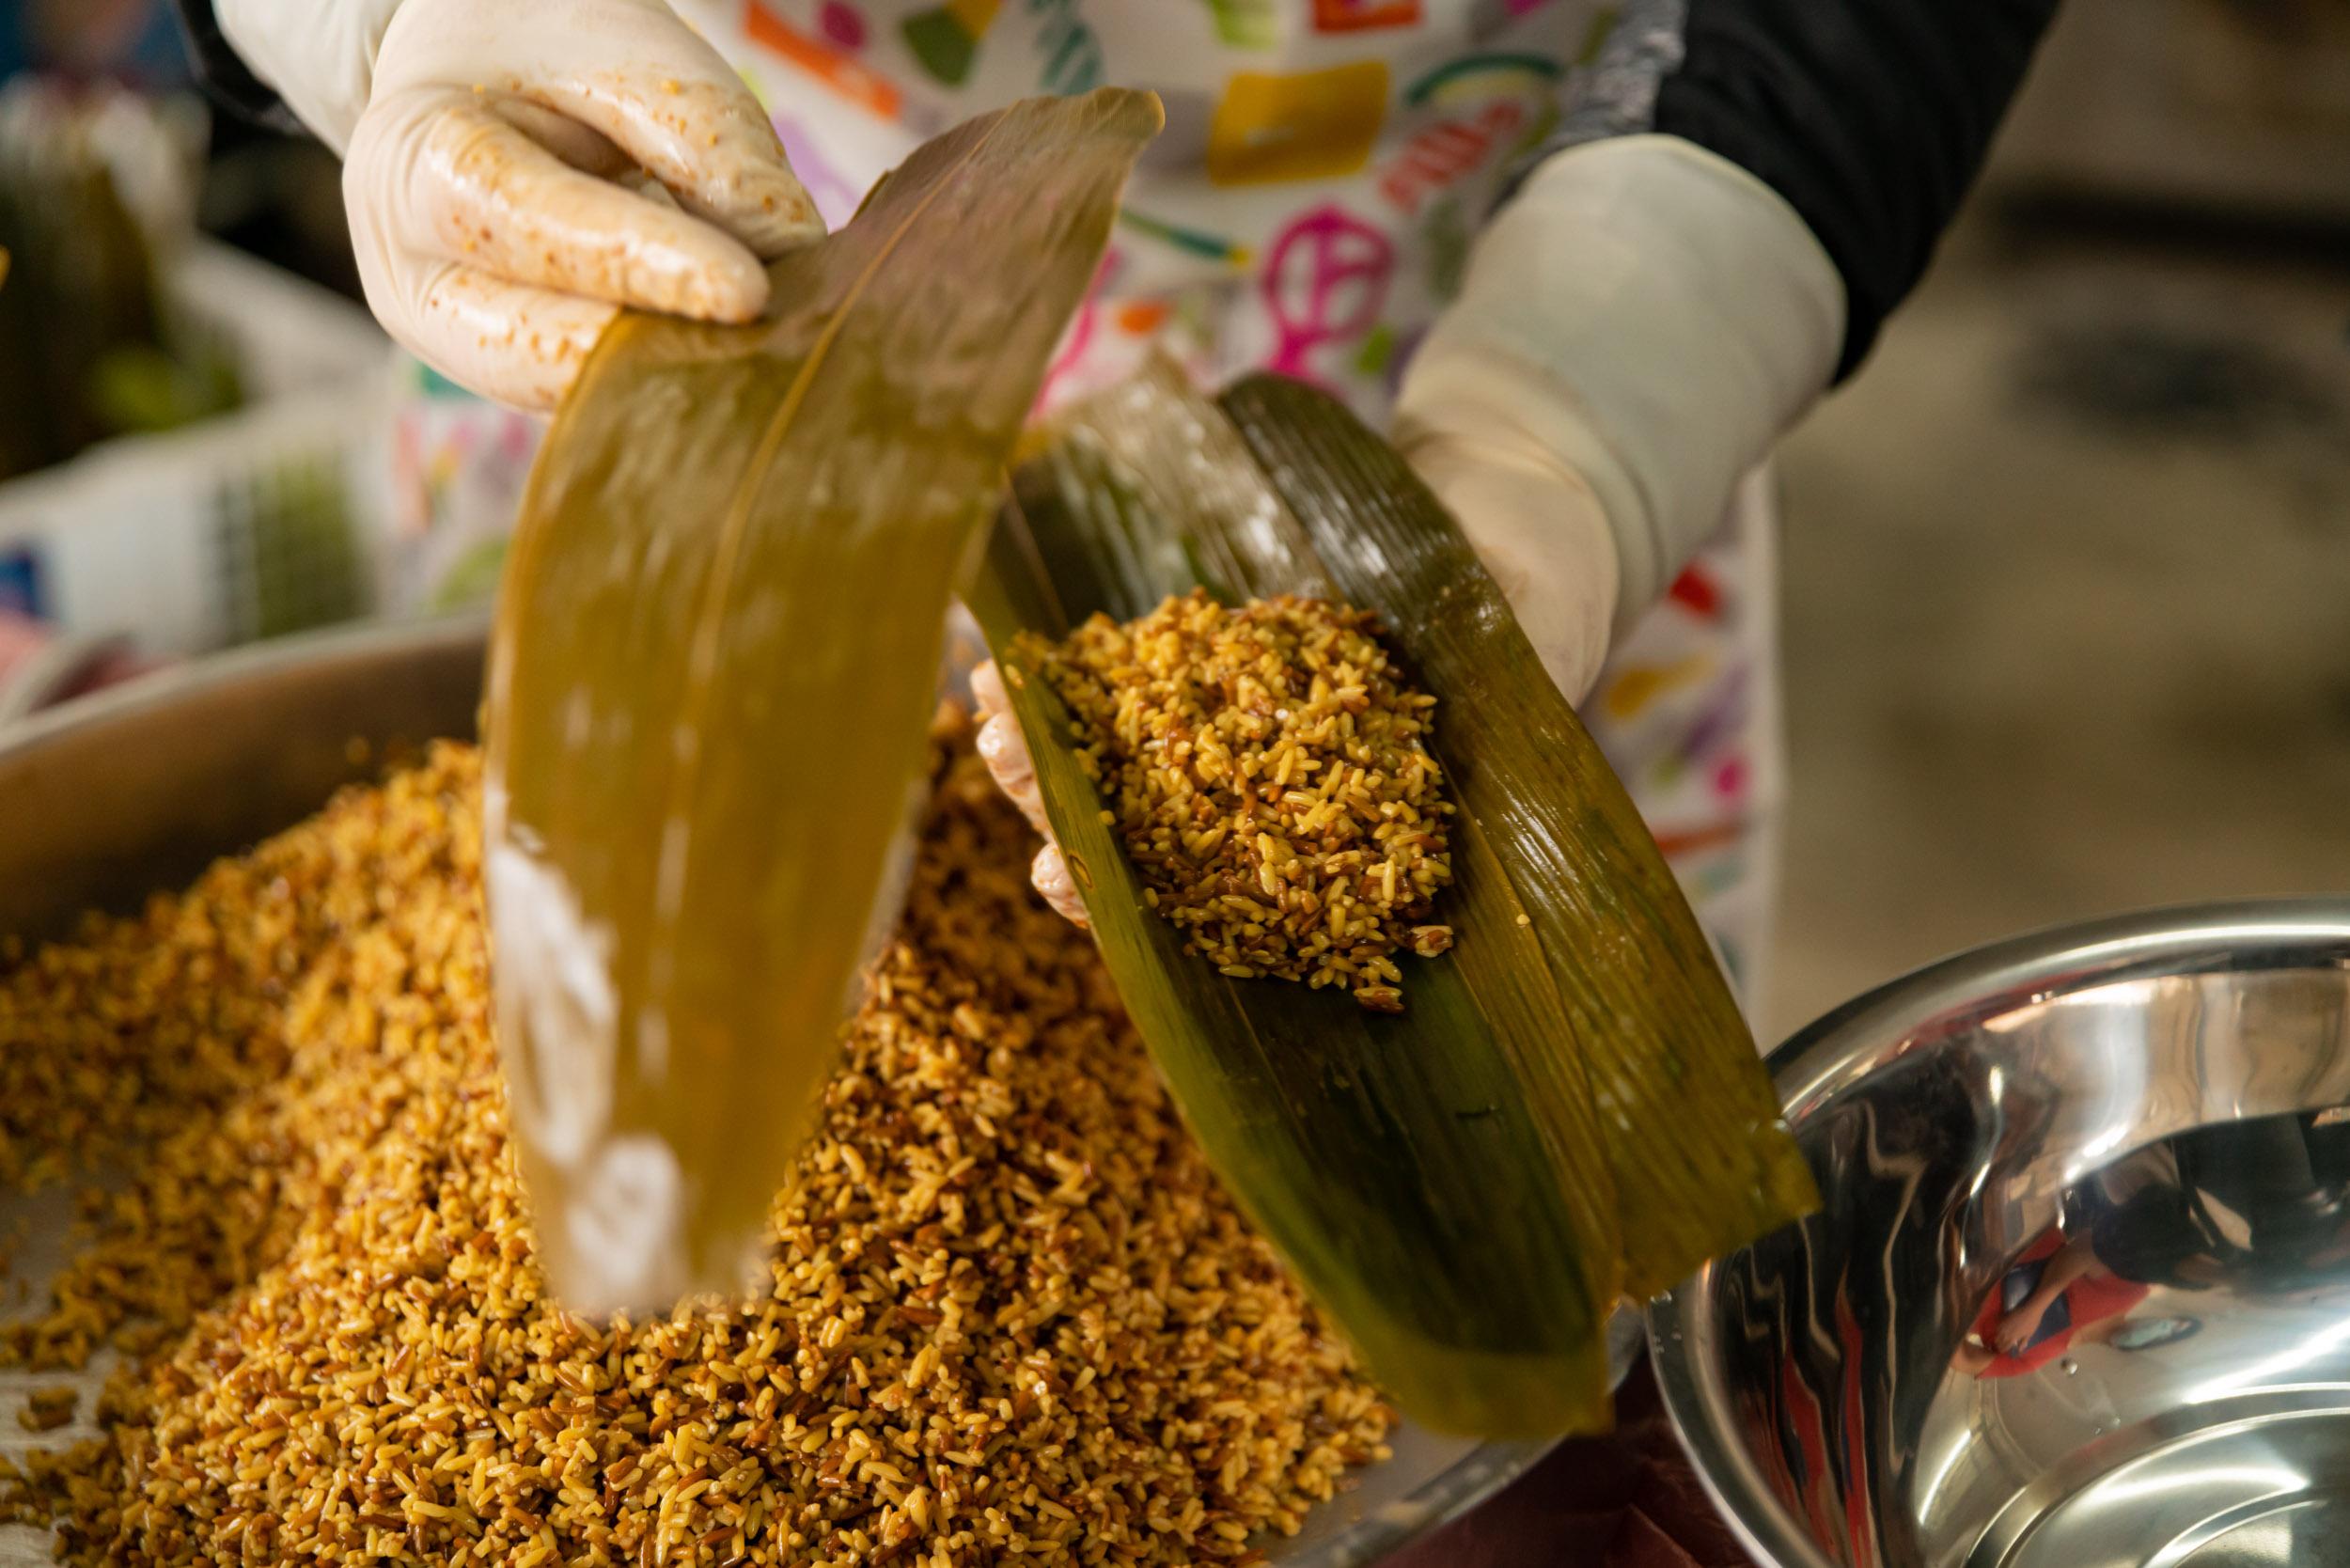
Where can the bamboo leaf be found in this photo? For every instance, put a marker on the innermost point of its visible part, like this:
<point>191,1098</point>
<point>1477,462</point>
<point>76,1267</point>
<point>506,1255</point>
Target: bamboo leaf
<point>1703,1164</point>
<point>712,667</point>
<point>1441,1178</point>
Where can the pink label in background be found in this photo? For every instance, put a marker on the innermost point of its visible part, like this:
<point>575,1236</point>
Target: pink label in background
<point>1325,279</point>
<point>1439,154</point>
<point>843,24</point>
<point>21,637</point>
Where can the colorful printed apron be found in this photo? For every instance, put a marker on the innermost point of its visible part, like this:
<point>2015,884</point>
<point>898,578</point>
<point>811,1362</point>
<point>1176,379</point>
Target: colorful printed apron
<point>1308,210</point>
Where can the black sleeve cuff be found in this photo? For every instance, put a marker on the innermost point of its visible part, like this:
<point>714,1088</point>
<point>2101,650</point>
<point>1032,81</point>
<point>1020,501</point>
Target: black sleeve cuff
<point>1871,117</point>
<point>225,76</point>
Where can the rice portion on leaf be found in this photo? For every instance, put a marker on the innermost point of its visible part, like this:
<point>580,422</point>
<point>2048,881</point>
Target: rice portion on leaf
<point>1270,775</point>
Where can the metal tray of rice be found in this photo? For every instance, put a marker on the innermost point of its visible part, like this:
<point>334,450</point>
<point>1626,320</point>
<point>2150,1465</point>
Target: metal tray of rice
<point>271,1289</point>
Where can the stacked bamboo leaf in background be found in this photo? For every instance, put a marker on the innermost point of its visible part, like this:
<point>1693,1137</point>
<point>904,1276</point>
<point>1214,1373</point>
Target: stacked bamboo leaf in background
<point>708,687</point>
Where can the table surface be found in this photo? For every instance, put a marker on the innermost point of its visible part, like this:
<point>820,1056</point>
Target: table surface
<point>1627,1501</point>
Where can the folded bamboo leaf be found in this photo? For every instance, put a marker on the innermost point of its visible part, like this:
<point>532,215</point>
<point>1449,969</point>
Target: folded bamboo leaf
<point>1397,1161</point>
<point>713,663</point>
<point>1702,1160</point>
<point>1440,1178</point>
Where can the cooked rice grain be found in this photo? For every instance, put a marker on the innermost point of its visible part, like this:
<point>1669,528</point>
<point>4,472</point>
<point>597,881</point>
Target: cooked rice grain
<point>1269,775</point>
<point>1013,1316</point>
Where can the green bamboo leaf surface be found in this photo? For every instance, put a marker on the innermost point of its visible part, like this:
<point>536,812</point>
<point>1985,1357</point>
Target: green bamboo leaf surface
<point>1395,1160</point>
<point>1441,1178</point>
<point>1703,1164</point>
<point>714,664</point>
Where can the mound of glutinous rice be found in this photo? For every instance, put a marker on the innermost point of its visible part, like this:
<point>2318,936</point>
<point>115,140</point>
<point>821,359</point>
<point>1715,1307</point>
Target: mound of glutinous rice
<point>1268,772</point>
<point>1014,1317</point>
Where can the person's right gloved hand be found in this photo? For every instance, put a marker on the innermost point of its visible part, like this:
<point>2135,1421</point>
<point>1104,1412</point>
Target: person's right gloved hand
<point>518,170</point>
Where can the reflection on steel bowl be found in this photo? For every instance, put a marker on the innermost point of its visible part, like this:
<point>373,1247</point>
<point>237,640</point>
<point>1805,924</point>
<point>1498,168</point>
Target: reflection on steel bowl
<point>2081,1292</point>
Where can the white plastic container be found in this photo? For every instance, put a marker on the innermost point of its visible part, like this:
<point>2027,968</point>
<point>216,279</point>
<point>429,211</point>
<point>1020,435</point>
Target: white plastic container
<point>260,521</point>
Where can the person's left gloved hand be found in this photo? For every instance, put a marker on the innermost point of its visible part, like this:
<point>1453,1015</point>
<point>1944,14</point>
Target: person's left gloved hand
<point>1006,752</point>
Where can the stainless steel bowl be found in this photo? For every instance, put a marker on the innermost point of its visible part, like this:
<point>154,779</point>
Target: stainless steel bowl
<point>116,796</point>
<point>2151,1106</point>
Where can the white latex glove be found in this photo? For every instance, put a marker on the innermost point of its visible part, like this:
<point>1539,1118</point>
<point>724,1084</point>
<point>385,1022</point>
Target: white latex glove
<point>1006,752</point>
<point>517,170</point>
<point>1636,327</point>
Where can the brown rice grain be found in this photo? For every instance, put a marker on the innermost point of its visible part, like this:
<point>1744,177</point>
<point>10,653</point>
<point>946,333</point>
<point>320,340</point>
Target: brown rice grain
<point>1268,774</point>
<point>1010,1303</point>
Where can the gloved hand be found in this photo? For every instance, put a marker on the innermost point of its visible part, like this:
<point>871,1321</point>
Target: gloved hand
<point>517,170</point>
<point>1006,752</point>
<point>1636,326</point>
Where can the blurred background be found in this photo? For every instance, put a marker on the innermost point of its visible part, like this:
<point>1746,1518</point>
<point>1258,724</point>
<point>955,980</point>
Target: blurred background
<point>2066,568</point>
<point>2067,565</point>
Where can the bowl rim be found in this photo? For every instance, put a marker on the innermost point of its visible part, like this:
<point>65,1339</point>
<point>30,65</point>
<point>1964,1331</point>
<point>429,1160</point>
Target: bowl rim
<point>1825,1057</point>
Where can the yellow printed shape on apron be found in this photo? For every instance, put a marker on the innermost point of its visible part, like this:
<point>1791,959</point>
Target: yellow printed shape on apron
<point>1636,685</point>
<point>1313,125</point>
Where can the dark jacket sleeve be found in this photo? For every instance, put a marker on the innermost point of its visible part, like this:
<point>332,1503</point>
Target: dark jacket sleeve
<point>226,77</point>
<point>1871,117</point>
